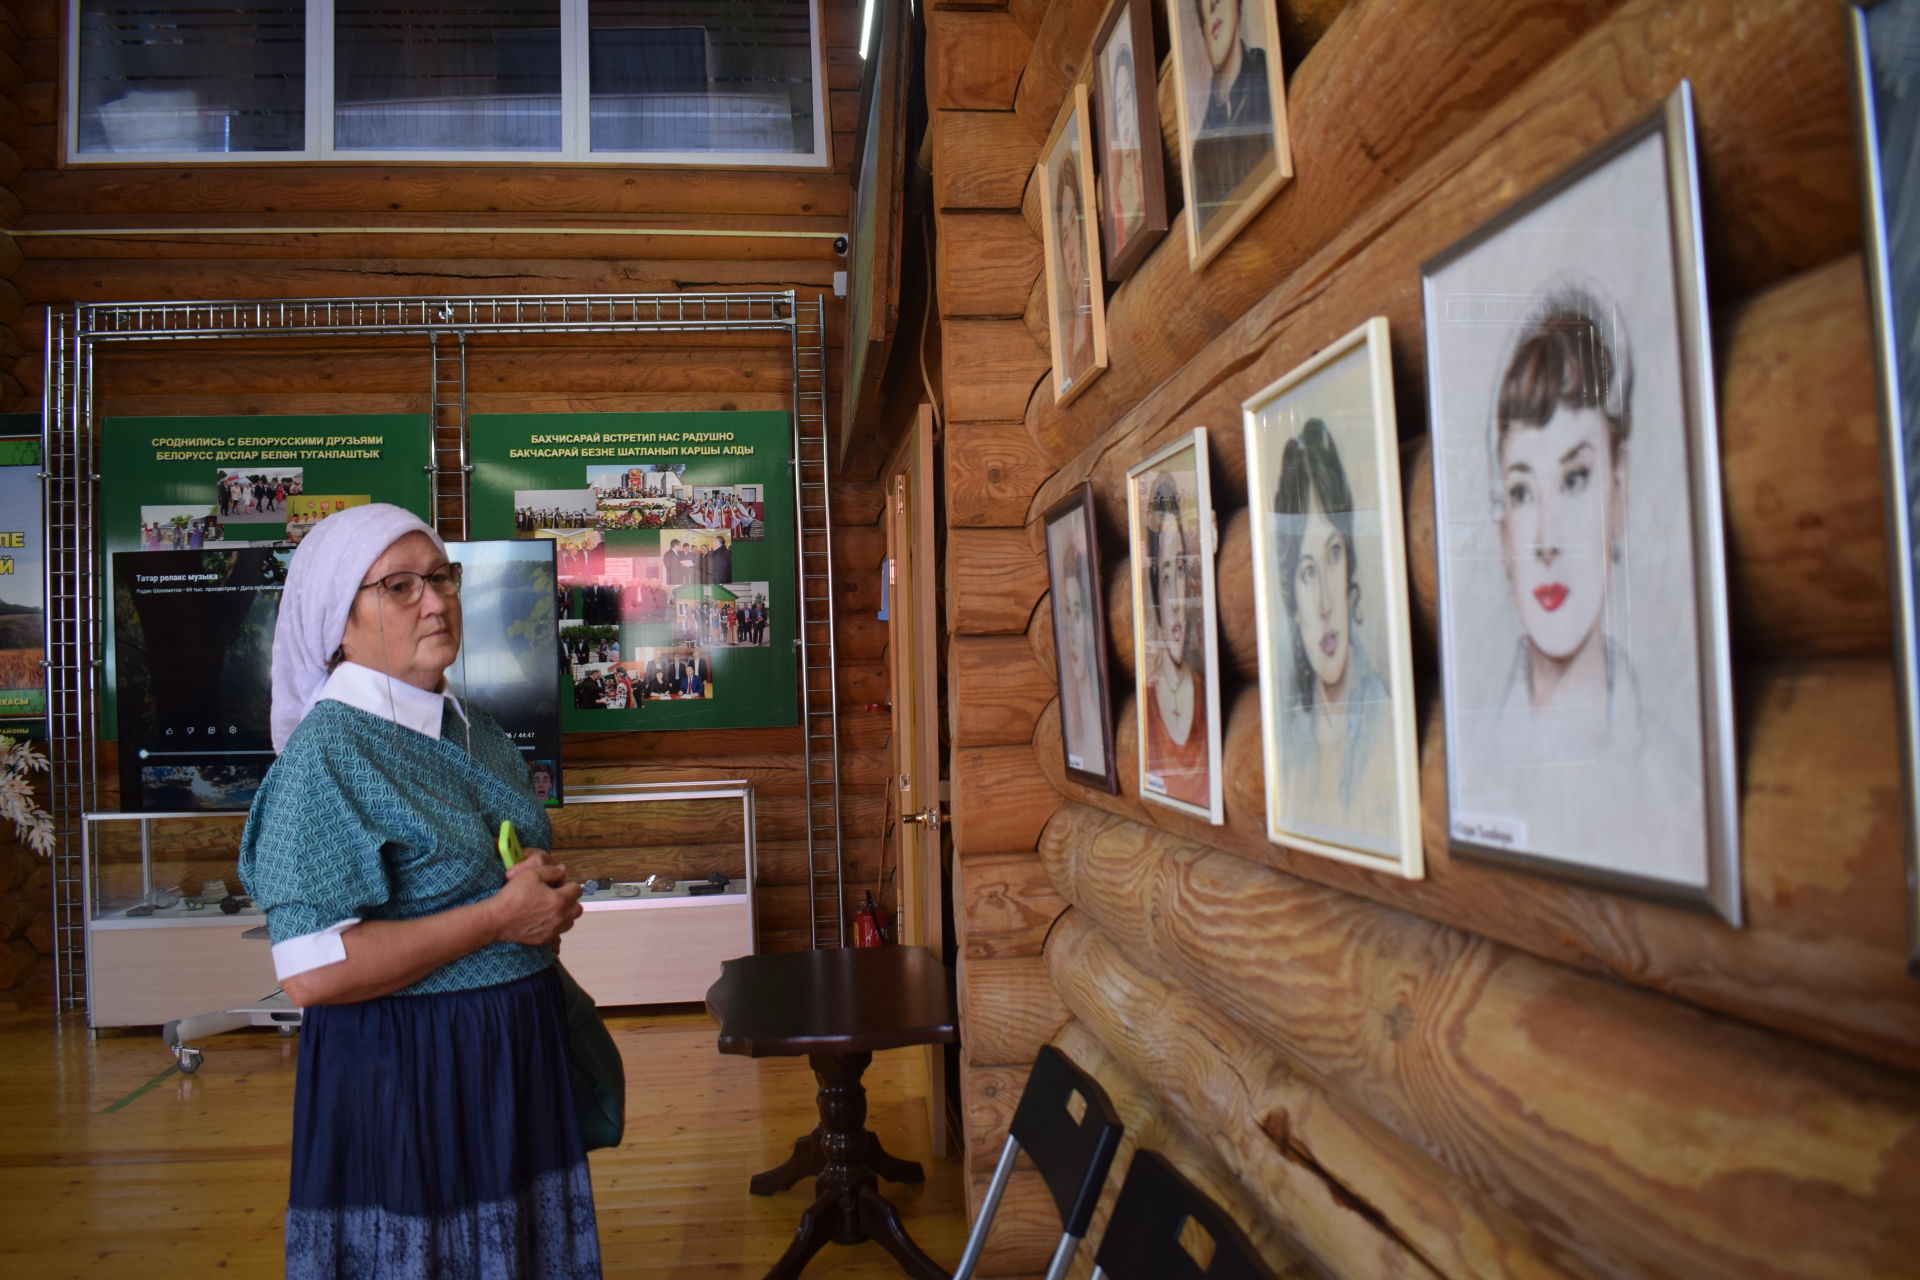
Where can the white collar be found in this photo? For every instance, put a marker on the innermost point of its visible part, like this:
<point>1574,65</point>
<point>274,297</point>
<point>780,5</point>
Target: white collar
<point>379,694</point>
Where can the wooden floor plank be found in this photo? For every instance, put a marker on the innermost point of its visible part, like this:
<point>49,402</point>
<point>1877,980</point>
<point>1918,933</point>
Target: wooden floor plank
<point>189,1177</point>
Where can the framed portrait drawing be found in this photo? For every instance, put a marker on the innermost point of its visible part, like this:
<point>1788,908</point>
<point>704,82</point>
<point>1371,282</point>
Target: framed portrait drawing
<point>1076,296</point>
<point>1583,621</point>
<point>1133,184</point>
<point>1078,592</point>
<point>1330,600</point>
<point>1886,61</point>
<point>1170,542</point>
<point>1234,152</point>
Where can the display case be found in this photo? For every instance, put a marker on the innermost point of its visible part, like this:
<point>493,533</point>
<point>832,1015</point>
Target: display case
<point>656,927</point>
<point>170,933</point>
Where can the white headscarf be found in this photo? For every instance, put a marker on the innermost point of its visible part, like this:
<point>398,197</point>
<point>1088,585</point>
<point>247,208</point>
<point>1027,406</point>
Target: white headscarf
<point>325,576</point>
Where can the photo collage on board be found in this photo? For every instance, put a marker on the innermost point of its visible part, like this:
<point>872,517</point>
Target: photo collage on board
<point>248,505</point>
<point>650,579</point>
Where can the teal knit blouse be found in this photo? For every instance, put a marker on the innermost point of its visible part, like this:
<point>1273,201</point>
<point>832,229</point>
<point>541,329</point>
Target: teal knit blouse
<point>363,817</point>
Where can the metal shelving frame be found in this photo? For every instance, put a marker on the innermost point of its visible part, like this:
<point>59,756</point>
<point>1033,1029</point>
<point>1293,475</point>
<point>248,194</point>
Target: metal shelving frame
<point>447,326</point>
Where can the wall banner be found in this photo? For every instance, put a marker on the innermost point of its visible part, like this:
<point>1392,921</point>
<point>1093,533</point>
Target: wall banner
<point>219,483</point>
<point>23,684</point>
<point>674,535</point>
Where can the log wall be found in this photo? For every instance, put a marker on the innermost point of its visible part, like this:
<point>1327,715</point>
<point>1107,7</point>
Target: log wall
<point>1481,1073</point>
<point>221,232</point>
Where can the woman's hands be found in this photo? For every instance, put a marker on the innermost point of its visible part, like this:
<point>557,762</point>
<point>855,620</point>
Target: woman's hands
<point>538,902</point>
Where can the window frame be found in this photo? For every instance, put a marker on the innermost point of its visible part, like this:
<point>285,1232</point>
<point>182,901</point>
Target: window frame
<point>575,122</point>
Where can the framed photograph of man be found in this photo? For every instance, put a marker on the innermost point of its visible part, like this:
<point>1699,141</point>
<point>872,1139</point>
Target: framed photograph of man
<point>1886,63</point>
<point>1170,543</point>
<point>1232,110</point>
<point>1584,650</point>
<point>1078,592</point>
<point>1133,182</point>
<point>1330,601</point>
<point>1076,297</point>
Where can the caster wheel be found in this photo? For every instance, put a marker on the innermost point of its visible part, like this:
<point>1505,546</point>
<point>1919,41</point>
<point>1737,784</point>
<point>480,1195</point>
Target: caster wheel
<point>288,1031</point>
<point>189,1061</point>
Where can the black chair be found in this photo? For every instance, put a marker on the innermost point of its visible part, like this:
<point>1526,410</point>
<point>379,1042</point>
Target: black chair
<point>1070,1129</point>
<point>1149,1238</point>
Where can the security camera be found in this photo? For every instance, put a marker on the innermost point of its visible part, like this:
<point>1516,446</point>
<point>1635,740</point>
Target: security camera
<point>840,245</point>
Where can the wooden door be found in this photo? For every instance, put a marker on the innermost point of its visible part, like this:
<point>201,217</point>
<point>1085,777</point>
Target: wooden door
<point>914,659</point>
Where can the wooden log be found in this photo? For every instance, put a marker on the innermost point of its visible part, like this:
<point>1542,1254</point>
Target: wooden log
<point>1823,953</point>
<point>1800,451</point>
<point>988,1098</point>
<point>106,280</point>
<point>994,581</point>
<point>1003,905</point>
<point>996,690</point>
<point>1009,1009</point>
<point>1435,183</point>
<point>215,189</point>
<point>1638,1134</point>
<point>991,469</point>
<point>981,159</point>
<point>1001,800</point>
<point>1021,1241</point>
<point>1149,1126</point>
<point>766,241</point>
<point>974,59</point>
<point>1062,51</point>
<point>986,263</point>
<point>1356,1196</point>
<point>990,369</point>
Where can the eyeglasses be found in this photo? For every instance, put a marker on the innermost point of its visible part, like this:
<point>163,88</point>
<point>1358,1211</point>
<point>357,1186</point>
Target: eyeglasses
<point>406,587</point>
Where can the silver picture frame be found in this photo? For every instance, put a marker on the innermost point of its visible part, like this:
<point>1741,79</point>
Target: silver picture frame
<point>1885,40</point>
<point>1585,656</point>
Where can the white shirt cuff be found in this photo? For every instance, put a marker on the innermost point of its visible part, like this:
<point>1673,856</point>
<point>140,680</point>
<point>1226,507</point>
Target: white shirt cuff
<point>311,950</point>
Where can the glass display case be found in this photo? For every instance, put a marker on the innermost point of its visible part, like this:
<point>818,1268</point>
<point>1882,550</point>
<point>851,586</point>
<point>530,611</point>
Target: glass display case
<point>170,933</point>
<point>669,869</point>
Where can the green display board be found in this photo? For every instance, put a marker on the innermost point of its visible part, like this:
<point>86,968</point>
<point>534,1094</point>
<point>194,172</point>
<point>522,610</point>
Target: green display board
<point>23,685</point>
<point>675,545</point>
<point>208,484</point>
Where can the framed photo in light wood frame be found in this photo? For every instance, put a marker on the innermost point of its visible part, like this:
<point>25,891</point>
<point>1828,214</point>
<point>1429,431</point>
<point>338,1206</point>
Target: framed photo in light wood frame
<point>1887,115</point>
<point>1070,235</point>
<point>1232,109</point>
<point>1585,656</point>
<point>1077,591</point>
<point>1331,614</point>
<point>1171,545</point>
<point>1133,180</point>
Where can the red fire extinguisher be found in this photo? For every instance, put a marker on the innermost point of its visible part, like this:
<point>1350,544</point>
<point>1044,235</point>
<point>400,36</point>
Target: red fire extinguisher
<point>870,924</point>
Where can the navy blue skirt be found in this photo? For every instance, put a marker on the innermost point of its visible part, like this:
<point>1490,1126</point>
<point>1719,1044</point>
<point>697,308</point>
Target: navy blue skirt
<point>434,1135</point>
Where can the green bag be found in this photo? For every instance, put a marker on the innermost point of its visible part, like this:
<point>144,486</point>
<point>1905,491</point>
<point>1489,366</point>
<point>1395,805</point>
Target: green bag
<point>598,1076</point>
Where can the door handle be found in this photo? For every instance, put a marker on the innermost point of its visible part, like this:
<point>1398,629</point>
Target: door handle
<point>929,818</point>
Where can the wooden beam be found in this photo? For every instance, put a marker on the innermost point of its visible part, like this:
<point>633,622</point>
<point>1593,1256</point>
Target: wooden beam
<point>986,262</point>
<point>1636,1134</point>
<point>992,470</point>
<point>1009,1008</point>
<point>994,581</point>
<point>1001,800</point>
<point>996,690</point>
<point>974,59</point>
<point>1004,904</point>
<point>981,159</point>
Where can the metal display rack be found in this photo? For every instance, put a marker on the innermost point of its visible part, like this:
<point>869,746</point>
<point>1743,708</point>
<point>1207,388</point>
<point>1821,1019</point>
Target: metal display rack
<point>446,326</point>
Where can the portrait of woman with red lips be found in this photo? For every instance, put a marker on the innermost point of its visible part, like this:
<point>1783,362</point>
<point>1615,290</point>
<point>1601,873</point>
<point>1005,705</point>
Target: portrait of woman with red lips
<point>1561,449</point>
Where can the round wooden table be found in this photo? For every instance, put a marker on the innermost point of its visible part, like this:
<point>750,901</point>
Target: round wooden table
<point>838,1007</point>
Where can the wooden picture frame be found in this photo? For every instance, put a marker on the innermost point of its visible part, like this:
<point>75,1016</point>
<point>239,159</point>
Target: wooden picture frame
<point>1077,591</point>
<point>1585,661</point>
<point>1070,237</point>
<point>1133,180</point>
<point>1331,609</point>
<point>1171,544</point>
<point>1888,123</point>
<point>1234,148</point>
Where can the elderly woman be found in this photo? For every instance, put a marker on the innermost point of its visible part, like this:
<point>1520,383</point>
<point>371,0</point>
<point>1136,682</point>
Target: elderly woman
<point>434,1133</point>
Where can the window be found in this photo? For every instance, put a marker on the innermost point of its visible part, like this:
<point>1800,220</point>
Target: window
<point>724,82</point>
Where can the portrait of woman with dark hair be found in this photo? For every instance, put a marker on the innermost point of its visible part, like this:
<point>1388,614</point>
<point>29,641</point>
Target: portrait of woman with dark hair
<point>1079,641</point>
<point>1331,595</point>
<point>1584,654</point>
<point>1177,688</point>
<point>1232,114</point>
<point>1076,313</point>
<point>1133,199</point>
